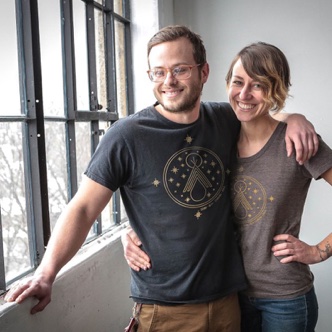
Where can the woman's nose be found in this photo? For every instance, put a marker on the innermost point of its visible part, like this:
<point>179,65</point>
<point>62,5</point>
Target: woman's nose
<point>245,93</point>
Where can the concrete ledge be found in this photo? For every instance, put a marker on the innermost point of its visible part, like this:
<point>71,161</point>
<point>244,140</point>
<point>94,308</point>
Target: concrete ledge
<point>91,293</point>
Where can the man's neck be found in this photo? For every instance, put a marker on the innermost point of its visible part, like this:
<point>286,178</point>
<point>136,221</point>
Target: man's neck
<point>185,117</point>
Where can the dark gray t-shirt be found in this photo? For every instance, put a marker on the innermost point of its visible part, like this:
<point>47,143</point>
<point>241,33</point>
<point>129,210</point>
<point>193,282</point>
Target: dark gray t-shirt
<point>268,193</point>
<point>174,182</point>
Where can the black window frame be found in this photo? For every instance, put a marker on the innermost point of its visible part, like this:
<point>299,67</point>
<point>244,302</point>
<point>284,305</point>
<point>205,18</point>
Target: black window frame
<point>33,118</point>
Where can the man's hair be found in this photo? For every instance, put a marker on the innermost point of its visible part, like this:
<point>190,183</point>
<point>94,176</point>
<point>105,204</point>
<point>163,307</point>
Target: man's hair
<point>174,32</point>
<point>267,64</point>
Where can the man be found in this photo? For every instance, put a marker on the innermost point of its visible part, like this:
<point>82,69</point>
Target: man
<point>171,162</point>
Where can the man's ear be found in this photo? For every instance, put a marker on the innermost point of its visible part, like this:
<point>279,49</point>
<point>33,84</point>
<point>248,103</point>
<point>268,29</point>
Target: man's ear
<point>205,72</point>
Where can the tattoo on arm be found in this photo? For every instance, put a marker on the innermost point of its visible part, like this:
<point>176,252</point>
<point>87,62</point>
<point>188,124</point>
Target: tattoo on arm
<point>326,250</point>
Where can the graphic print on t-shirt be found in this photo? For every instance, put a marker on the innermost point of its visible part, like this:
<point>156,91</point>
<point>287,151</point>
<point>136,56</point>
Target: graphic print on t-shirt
<point>194,178</point>
<point>249,199</point>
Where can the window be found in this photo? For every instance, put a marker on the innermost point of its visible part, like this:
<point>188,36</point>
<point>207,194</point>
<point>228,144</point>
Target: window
<point>65,78</point>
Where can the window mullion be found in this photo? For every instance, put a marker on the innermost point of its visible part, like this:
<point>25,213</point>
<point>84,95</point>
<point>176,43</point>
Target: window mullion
<point>93,93</point>
<point>2,264</point>
<point>92,63</point>
<point>110,58</point>
<point>35,143</point>
<point>129,74</point>
<point>69,93</point>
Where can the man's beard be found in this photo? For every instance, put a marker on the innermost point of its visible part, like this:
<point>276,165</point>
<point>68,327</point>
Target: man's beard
<point>186,105</point>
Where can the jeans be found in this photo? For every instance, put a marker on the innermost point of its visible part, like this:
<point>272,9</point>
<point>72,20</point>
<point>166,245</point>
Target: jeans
<point>298,314</point>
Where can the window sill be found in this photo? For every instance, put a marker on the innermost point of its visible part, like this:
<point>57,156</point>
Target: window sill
<point>88,250</point>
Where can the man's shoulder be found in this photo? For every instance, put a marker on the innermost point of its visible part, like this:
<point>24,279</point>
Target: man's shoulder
<point>145,113</point>
<point>215,104</point>
<point>220,107</point>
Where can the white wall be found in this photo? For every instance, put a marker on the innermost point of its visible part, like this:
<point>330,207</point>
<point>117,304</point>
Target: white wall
<point>147,17</point>
<point>303,30</point>
<point>145,22</point>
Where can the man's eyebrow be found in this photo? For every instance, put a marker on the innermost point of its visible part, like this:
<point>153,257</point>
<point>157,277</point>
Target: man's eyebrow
<point>177,64</point>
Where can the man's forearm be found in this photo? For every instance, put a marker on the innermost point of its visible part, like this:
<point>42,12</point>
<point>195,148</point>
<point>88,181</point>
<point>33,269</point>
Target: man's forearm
<point>67,238</point>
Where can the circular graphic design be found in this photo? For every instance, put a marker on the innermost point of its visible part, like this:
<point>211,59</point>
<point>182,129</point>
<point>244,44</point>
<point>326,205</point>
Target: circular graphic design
<point>249,200</point>
<point>194,177</point>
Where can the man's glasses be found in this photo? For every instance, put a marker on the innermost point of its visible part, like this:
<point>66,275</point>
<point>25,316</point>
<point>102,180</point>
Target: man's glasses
<point>181,72</point>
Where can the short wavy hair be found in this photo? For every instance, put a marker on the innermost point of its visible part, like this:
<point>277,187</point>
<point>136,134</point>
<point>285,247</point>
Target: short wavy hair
<point>174,32</point>
<point>268,65</point>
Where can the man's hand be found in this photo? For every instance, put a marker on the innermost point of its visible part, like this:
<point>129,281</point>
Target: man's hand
<point>36,286</point>
<point>136,258</point>
<point>301,135</point>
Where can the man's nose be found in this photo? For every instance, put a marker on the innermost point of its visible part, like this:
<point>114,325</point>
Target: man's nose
<point>170,78</point>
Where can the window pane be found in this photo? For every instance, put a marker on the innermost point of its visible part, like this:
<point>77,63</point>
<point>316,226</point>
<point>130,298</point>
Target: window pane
<point>9,82</point>
<point>13,201</point>
<point>56,169</point>
<point>100,59</point>
<point>51,56</point>
<point>83,147</point>
<point>83,154</point>
<point>83,150</point>
<point>118,8</point>
<point>120,69</point>
<point>107,216</point>
<point>124,216</point>
<point>81,56</point>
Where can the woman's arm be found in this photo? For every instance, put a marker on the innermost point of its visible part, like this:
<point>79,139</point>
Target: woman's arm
<point>299,251</point>
<point>136,258</point>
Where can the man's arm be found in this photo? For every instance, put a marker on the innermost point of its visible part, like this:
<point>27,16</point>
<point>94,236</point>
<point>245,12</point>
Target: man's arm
<point>300,135</point>
<point>67,238</point>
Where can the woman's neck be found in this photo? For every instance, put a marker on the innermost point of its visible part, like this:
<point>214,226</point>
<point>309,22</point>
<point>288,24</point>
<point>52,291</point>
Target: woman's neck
<point>254,135</point>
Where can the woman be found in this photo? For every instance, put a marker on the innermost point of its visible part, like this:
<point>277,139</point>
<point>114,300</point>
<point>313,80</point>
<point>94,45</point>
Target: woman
<point>268,193</point>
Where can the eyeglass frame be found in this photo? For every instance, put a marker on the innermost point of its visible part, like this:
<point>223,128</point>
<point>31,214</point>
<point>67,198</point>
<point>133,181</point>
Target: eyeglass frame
<point>170,70</point>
